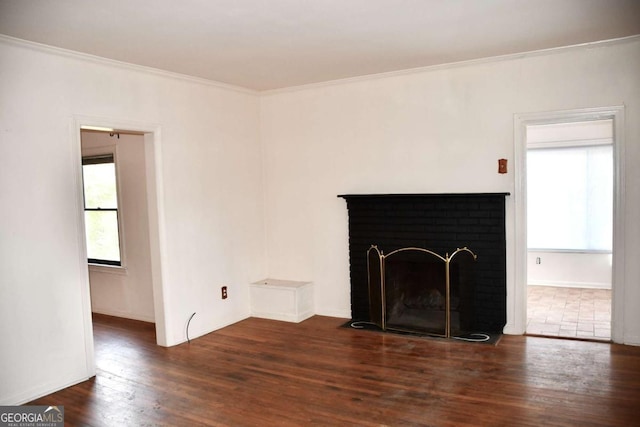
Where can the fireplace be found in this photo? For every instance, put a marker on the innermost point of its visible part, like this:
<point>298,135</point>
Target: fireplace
<point>434,227</point>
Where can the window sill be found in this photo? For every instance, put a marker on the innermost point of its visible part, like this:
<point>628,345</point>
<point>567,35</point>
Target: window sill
<point>572,251</point>
<point>110,269</point>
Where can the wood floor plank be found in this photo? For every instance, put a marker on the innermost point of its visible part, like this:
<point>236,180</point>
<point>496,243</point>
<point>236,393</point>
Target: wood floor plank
<point>264,373</point>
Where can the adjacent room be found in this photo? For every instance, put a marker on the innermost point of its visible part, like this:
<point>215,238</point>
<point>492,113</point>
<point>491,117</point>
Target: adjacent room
<point>570,228</point>
<point>190,193</point>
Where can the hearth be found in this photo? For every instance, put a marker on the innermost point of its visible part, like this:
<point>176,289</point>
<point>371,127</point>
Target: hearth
<point>439,224</point>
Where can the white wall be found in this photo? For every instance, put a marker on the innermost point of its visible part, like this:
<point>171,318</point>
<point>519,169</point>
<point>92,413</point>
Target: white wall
<point>440,130</point>
<point>212,218</point>
<point>125,292</point>
<point>569,269</point>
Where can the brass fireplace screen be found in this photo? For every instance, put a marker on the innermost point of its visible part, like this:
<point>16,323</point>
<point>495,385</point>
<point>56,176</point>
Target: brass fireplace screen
<point>416,290</point>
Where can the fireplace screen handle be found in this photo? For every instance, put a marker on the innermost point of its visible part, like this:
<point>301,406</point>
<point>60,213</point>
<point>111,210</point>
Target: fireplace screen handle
<point>375,270</point>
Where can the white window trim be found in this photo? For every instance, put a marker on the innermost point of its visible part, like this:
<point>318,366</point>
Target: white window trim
<point>122,268</point>
<point>568,144</point>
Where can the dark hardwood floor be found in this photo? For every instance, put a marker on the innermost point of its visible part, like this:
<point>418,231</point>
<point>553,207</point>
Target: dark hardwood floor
<point>267,373</point>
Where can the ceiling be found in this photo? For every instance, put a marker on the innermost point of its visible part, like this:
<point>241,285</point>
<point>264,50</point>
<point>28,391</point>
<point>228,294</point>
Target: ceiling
<point>269,44</point>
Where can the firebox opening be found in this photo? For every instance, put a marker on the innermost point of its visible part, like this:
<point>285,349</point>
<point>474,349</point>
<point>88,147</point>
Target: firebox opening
<point>417,290</point>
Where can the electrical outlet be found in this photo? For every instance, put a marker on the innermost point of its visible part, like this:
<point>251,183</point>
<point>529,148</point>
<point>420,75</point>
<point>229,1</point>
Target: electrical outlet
<point>224,292</point>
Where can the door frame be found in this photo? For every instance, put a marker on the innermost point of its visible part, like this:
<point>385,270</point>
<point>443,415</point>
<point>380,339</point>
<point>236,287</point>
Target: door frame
<point>518,298</point>
<point>155,205</point>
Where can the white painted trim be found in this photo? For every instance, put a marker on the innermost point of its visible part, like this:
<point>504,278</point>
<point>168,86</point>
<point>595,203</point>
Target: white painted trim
<point>155,200</point>
<point>517,323</point>
<point>572,143</point>
<point>339,314</point>
<point>630,339</point>
<point>42,390</point>
<point>122,240</point>
<point>83,267</point>
<point>157,239</point>
<point>561,284</point>
<point>120,64</point>
<point>471,62</point>
<point>283,317</point>
<point>163,73</point>
<point>125,315</point>
<point>516,238</point>
<point>619,227</point>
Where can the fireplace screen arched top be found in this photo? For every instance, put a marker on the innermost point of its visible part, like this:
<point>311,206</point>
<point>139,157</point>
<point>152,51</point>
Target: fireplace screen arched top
<point>418,290</point>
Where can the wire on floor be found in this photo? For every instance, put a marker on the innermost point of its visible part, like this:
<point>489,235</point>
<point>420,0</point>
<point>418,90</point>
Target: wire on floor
<point>475,337</point>
<point>188,322</point>
<point>358,325</point>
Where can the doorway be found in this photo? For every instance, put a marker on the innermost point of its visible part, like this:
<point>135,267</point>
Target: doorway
<point>518,297</point>
<point>569,229</point>
<point>150,140</point>
<point>117,223</point>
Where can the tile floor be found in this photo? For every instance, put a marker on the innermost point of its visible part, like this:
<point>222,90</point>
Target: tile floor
<point>569,312</point>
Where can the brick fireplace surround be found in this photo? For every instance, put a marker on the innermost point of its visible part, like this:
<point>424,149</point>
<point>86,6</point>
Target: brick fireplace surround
<point>438,222</point>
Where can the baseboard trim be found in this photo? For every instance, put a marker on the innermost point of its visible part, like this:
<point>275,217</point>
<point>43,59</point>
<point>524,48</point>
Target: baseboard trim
<point>125,315</point>
<point>559,284</point>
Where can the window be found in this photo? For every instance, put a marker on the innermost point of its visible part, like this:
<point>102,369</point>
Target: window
<point>101,210</point>
<point>570,198</point>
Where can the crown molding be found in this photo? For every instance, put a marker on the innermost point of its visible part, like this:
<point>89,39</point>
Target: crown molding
<point>199,80</point>
<point>120,64</point>
<point>459,64</point>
